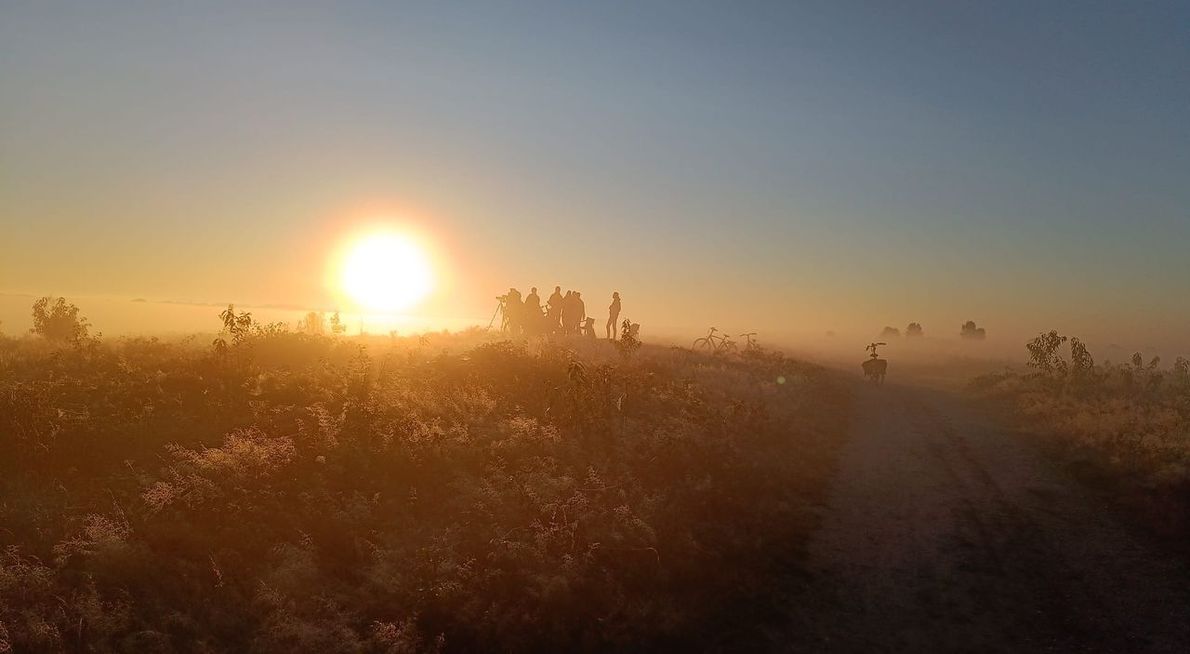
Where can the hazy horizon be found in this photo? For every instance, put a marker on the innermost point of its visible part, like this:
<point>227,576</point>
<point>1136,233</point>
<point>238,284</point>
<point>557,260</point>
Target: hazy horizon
<point>650,326</point>
<point>788,170</point>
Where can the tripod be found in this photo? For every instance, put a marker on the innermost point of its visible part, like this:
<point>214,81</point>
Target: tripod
<point>500,312</point>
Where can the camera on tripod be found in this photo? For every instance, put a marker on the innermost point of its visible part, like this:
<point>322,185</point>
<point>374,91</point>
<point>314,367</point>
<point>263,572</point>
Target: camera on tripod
<point>502,311</point>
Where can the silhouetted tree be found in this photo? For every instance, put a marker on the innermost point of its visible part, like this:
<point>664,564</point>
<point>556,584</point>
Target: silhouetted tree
<point>239,325</point>
<point>973,332</point>
<point>1081,360</point>
<point>629,341</point>
<point>58,321</point>
<point>337,326</point>
<point>914,329</point>
<point>1043,353</point>
<point>888,332</point>
<point>314,324</point>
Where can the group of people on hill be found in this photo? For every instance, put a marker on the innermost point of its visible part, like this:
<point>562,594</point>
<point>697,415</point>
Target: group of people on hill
<point>560,314</point>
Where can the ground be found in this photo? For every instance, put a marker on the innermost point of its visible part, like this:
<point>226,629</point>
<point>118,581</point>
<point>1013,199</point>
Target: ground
<point>947,531</point>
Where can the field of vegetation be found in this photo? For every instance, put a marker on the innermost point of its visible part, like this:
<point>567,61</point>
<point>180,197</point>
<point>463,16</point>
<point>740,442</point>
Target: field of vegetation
<point>287,490</point>
<point>1123,427</point>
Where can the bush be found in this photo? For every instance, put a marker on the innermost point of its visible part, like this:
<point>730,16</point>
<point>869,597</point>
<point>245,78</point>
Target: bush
<point>629,341</point>
<point>1126,425</point>
<point>58,321</point>
<point>971,331</point>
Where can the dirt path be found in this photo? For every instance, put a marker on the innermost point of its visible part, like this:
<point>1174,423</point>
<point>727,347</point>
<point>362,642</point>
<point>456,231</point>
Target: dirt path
<point>944,532</point>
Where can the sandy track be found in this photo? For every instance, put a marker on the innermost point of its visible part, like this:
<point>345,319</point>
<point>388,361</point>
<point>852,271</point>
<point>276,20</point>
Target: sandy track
<point>945,532</point>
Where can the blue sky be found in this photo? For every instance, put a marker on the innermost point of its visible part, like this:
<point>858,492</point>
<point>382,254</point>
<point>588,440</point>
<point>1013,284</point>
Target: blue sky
<point>829,164</point>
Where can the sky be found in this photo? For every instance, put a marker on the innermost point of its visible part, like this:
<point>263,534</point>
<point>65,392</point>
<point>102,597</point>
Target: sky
<point>784,167</point>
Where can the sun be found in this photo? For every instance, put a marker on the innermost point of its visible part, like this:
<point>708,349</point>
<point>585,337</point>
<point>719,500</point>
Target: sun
<point>386,272</point>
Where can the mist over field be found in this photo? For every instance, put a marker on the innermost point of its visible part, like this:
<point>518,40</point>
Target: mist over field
<point>941,344</point>
<point>650,326</point>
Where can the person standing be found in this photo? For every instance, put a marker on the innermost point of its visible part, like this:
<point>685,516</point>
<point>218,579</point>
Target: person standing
<point>566,311</point>
<point>531,313</point>
<point>580,312</point>
<point>513,310</point>
<point>554,308</point>
<point>613,316</point>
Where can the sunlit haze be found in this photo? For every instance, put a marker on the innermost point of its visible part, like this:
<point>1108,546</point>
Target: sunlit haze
<point>610,326</point>
<point>793,169</point>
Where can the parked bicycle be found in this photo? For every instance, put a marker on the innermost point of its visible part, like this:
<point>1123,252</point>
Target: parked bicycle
<point>750,344</point>
<point>715,342</point>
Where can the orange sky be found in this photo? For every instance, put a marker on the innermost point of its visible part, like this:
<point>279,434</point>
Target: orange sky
<point>781,170</point>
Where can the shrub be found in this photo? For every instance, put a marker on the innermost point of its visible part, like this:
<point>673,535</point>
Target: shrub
<point>629,341</point>
<point>302,492</point>
<point>971,331</point>
<point>58,321</point>
<point>1124,425</point>
<point>314,324</point>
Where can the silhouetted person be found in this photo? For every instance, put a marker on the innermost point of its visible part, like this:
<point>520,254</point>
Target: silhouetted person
<point>532,301</point>
<point>554,307</point>
<point>589,328</point>
<point>580,310</point>
<point>513,309</point>
<point>567,313</point>
<point>613,315</point>
<point>532,311</point>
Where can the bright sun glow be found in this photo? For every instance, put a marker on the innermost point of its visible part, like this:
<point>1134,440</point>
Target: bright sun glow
<point>387,272</point>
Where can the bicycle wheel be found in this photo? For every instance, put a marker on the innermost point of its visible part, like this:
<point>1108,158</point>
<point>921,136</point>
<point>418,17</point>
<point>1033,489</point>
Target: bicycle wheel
<point>701,344</point>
